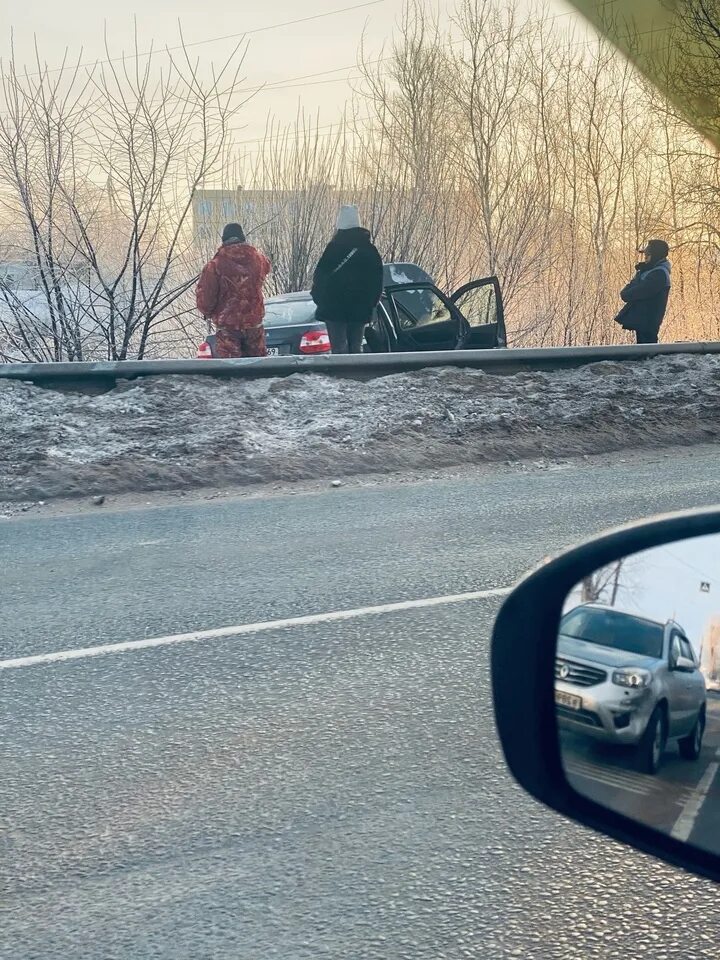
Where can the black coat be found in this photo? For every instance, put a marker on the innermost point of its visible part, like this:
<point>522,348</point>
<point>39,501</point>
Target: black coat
<point>646,298</point>
<point>351,292</point>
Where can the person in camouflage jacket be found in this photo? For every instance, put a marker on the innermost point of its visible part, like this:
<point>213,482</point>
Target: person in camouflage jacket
<point>230,293</point>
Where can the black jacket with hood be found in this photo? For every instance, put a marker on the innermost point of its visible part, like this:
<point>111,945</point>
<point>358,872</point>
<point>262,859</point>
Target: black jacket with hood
<point>348,280</point>
<point>646,297</point>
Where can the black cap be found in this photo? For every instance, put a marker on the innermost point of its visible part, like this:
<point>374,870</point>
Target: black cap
<point>233,231</point>
<point>656,249</point>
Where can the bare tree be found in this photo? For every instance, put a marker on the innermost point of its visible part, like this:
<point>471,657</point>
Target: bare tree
<point>498,143</point>
<point>290,194</point>
<point>405,165</point>
<point>509,147</point>
<point>97,171</point>
<point>603,585</point>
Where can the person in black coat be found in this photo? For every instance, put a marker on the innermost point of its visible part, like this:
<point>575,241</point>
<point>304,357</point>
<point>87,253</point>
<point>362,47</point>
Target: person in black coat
<point>646,295</point>
<point>348,283</point>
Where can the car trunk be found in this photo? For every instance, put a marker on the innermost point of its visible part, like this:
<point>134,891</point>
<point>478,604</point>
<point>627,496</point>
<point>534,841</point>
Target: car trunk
<point>285,340</point>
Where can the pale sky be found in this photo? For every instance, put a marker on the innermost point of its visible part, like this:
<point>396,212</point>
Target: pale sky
<point>274,55</point>
<point>666,584</point>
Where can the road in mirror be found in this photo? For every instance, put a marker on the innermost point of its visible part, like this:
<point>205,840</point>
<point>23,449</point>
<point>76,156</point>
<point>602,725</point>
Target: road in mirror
<point>637,688</point>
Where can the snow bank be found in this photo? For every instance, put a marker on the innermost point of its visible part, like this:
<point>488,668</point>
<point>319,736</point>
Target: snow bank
<point>166,433</point>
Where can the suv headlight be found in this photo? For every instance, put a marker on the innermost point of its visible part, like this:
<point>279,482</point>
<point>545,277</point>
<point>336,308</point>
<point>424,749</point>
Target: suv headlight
<point>632,677</point>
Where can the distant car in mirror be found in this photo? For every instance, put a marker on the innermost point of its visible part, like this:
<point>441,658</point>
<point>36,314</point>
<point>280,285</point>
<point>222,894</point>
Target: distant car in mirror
<point>413,315</point>
<point>619,641</point>
<point>624,679</point>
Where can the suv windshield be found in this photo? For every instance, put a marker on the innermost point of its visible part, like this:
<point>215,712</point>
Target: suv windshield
<point>282,313</point>
<point>613,629</point>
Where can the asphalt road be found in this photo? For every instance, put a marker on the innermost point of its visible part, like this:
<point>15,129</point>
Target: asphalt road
<point>682,799</point>
<point>322,790</point>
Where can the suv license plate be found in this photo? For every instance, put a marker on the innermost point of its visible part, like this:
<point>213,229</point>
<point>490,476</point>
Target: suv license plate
<point>273,351</point>
<point>568,700</point>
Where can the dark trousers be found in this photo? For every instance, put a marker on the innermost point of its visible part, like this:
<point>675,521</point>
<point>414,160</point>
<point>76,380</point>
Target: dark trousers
<point>345,337</point>
<point>647,336</point>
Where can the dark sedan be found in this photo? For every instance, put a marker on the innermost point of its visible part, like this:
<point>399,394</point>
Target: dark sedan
<point>414,314</point>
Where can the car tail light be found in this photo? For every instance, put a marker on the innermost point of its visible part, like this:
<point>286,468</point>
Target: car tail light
<point>204,351</point>
<point>315,341</point>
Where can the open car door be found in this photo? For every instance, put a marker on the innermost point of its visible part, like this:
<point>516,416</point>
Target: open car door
<point>480,303</point>
<point>423,317</point>
<point>426,319</point>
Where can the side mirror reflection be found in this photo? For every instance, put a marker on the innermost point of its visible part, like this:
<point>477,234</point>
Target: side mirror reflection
<point>637,689</point>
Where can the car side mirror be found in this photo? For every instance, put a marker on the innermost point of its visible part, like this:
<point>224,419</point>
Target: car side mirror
<point>594,724</point>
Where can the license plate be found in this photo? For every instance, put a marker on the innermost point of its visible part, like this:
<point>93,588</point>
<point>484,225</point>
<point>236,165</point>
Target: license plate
<point>273,351</point>
<point>568,700</point>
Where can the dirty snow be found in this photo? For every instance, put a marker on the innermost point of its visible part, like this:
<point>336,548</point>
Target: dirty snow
<point>181,433</point>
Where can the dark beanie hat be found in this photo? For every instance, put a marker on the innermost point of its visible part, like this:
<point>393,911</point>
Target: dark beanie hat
<point>233,231</point>
<point>657,249</point>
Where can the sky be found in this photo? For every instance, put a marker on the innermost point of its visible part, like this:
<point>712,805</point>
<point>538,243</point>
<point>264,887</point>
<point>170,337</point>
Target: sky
<point>274,55</point>
<point>666,584</point>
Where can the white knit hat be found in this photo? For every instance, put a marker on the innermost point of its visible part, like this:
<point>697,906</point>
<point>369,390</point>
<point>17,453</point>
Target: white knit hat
<point>348,218</point>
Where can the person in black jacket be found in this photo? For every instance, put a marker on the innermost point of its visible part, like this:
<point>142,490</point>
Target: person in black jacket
<point>348,283</point>
<point>646,295</point>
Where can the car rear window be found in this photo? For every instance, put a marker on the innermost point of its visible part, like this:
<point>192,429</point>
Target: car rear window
<point>613,629</point>
<point>287,312</point>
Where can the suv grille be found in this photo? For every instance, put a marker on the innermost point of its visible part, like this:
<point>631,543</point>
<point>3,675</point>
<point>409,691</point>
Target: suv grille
<point>578,674</point>
<point>587,717</point>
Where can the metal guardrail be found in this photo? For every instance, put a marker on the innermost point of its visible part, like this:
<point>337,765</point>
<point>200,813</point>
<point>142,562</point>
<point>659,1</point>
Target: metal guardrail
<point>102,376</point>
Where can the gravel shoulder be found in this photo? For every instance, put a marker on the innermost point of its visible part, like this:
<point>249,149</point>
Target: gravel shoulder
<point>121,502</point>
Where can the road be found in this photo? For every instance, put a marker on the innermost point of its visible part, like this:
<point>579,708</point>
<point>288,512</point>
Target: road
<point>324,789</point>
<point>682,799</point>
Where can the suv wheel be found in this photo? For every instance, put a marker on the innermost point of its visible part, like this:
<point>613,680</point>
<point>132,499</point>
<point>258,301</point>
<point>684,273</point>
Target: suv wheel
<point>691,745</point>
<point>652,745</point>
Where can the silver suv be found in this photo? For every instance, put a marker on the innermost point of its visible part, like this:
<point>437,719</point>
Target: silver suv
<point>623,679</point>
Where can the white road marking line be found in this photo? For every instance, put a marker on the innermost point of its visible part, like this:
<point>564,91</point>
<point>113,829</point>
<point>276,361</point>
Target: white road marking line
<point>641,790</point>
<point>618,777</point>
<point>598,765</point>
<point>335,616</point>
<point>686,821</point>
<point>625,779</point>
<point>620,772</point>
<point>609,779</point>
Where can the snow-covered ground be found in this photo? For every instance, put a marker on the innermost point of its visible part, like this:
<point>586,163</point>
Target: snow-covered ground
<point>169,433</point>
